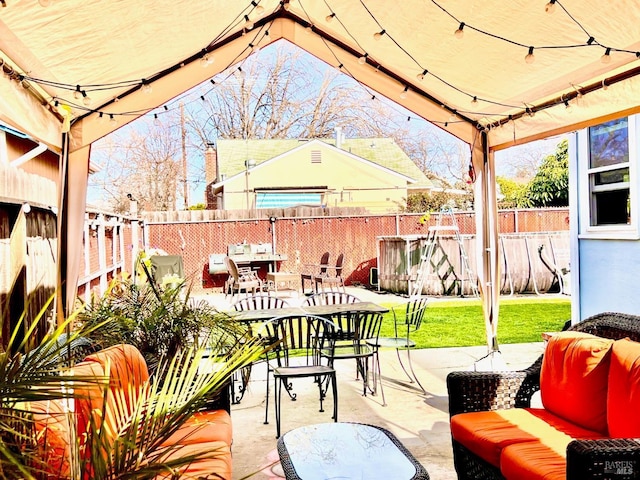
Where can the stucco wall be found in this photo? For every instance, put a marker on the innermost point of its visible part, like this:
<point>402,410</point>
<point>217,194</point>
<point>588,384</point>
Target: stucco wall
<point>351,183</point>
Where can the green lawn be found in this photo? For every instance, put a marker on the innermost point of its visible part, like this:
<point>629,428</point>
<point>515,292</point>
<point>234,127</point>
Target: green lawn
<point>459,323</point>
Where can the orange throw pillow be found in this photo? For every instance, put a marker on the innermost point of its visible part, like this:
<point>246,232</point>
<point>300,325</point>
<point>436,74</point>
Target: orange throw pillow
<point>623,402</point>
<point>574,378</point>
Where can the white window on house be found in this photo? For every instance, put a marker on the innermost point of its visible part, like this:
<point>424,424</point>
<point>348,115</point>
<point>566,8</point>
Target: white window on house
<point>609,157</point>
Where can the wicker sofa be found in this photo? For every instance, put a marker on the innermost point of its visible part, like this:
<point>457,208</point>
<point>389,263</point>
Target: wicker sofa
<point>589,423</point>
<point>208,430</point>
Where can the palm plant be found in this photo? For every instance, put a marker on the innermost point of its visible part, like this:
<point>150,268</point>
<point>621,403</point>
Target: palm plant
<point>31,382</point>
<point>159,322</point>
<point>29,377</point>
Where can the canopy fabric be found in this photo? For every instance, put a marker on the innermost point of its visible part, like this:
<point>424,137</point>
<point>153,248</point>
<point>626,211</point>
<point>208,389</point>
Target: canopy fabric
<point>132,57</point>
<point>117,44</point>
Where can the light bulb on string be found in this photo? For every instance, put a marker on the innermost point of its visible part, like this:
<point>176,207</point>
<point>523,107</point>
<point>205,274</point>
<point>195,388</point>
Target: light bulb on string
<point>206,60</point>
<point>308,29</point>
<point>156,120</point>
<point>422,74</point>
<point>363,59</point>
<point>459,33</point>
<point>378,35</point>
<point>112,119</point>
<point>45,3</point>
<point>530,58</point>
<point>146,88</point>
<point>606,57</point>
<point>604,85</point>
<point>86,99</point>
<point>550,7</point>
<point>403,94</point>
<point>248,24</point>
<point>77,94</point>
<point>329,17</point>
<point>259,9</point>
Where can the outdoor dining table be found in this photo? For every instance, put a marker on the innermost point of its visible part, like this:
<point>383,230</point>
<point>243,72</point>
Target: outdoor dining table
<point>254,316</point>
<point>250,317</point>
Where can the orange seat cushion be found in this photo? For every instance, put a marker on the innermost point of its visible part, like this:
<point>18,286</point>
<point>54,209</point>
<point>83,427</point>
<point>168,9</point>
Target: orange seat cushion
<point>535,460</point>
<point>209,426</point>
<point>486,434</point>
<point>574,378</point>
<point>217,466</point>
<point>51,422</point>
<point>624,389</point>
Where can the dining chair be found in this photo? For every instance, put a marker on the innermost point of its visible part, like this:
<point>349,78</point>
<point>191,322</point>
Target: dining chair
<point>355,329</point>
<point>331,277</point>
<point>330,298</point>
<point>407,320</point>
<point>259,302</point>
<point>297,342</point>
<point>253,302</point>
<point>240,278</point>
<point>322,266</point>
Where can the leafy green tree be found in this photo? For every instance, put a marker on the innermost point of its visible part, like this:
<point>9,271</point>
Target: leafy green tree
<point>514,193</point>
<point>550,186</point>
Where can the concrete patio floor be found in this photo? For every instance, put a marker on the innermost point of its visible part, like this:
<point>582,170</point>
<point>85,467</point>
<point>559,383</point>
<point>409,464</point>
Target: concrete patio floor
<point>420,421</point>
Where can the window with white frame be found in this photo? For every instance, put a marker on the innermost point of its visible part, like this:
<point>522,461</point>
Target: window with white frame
<point>608,178</point>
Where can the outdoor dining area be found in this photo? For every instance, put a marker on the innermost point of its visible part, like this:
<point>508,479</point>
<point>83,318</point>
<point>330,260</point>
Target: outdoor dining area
<point>405,403</point>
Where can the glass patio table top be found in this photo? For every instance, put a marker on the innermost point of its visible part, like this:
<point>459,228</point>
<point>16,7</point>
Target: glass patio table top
<point>346,451</point>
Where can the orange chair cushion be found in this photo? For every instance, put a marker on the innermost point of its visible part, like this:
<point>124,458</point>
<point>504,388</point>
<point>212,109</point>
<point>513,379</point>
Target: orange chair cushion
<point>208,426</point>
<point>128,370</point>
<point>487,433</point>
<point>535,460</point>
<point>51,422</point>
<point>574,378</point>
<point>624,389</point>
<point>218,466</point>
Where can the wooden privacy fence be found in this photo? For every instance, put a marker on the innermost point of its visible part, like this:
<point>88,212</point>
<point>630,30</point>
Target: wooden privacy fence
<point>529,263</point>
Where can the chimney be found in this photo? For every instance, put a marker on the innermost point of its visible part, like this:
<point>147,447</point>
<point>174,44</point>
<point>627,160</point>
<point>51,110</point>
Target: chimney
<point>211,164</point>
<point>338,131</point>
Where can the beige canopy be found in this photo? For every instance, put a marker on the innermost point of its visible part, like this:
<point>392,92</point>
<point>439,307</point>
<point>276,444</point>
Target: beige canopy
<point>493,73</point>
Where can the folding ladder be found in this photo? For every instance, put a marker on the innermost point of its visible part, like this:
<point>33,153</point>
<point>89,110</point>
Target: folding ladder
<point>447,223</point>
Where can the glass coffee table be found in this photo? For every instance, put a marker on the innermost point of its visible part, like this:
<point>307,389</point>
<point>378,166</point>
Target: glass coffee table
<point>346,451</point>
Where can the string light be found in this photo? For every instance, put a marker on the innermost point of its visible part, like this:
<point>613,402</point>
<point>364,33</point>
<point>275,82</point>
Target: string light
<point>378,35</point>
<point>550,7</point>
<point>422,74</point>
<point>474,101</point>
<point>146,88</point>
<point>77,94</point>
<point>86,100</point>
<point>3,3</point>
<point>403,94</point>
<point>309,29</point>
<point>604,85</point>
<point>258,8</point>
<point>206,60</point>
<point>329,17</point>
<point>459,33</point>
<point>363,59</point>
<point>112,119</point>
<point>591,40</point>
<point>248,24</point>
<point>606,57</point>
<point>530,58</point>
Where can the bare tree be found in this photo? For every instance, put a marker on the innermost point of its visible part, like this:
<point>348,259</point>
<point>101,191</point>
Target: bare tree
<point>143,162</point>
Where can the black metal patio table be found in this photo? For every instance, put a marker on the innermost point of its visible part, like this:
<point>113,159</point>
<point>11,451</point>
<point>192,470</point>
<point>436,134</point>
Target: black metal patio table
<point>346,451</point>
